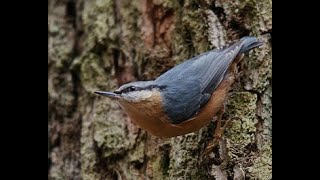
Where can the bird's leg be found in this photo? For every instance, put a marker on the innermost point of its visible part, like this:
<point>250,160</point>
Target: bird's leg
<point>218,131</point>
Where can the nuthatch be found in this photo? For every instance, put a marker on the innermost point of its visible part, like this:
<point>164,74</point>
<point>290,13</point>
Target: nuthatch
<point>187,97</point>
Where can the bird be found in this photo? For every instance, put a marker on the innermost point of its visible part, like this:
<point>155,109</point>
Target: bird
<point>187,97</point>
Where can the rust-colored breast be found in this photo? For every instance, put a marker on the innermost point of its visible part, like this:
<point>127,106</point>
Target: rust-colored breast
<point>148,115</point>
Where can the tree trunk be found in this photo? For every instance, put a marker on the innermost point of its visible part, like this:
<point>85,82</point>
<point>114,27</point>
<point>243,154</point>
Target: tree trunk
<point>101,44</point>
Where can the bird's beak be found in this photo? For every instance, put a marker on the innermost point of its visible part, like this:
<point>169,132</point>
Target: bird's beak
<point>108,94</point>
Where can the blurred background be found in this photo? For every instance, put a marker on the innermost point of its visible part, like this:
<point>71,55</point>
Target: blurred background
<point>102,44</point>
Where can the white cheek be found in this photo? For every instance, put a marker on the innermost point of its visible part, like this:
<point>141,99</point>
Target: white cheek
<point>138,96</point>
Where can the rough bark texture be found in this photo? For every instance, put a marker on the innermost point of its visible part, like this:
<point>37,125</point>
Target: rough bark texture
<point>101,44</point>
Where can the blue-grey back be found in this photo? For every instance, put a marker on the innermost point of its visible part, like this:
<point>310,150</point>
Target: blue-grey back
<point>190,84</point>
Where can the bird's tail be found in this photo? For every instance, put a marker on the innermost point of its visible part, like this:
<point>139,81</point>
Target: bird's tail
<point>250,42</point>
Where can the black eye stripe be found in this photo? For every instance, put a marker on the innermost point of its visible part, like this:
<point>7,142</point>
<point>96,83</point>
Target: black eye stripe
<point>130,89</point>
<point>135,88</point>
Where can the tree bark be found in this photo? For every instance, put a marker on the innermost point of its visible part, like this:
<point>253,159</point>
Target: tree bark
<point>102,44</point>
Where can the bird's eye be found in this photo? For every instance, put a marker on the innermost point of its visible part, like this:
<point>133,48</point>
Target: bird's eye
<point>132,88</point>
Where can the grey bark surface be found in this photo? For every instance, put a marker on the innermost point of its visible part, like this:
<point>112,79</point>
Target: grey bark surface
<point>101,44</point>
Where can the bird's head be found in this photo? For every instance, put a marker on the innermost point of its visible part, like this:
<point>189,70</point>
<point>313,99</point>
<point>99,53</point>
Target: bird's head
<point>134,92</point>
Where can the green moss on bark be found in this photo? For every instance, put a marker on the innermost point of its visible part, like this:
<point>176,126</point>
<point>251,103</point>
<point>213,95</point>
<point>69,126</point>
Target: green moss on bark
<point>92,74</point>
<point>252,15</point>
<point>184,156</point>
<point>243,106</point>
<point>99,22</point>
<point>262,165</point>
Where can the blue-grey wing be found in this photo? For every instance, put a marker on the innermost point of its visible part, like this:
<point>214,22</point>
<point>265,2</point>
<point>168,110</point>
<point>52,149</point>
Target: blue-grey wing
<point>189,85</point>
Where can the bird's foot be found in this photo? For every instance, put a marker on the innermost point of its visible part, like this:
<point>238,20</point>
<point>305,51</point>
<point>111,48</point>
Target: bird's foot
<point>219,131</point>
